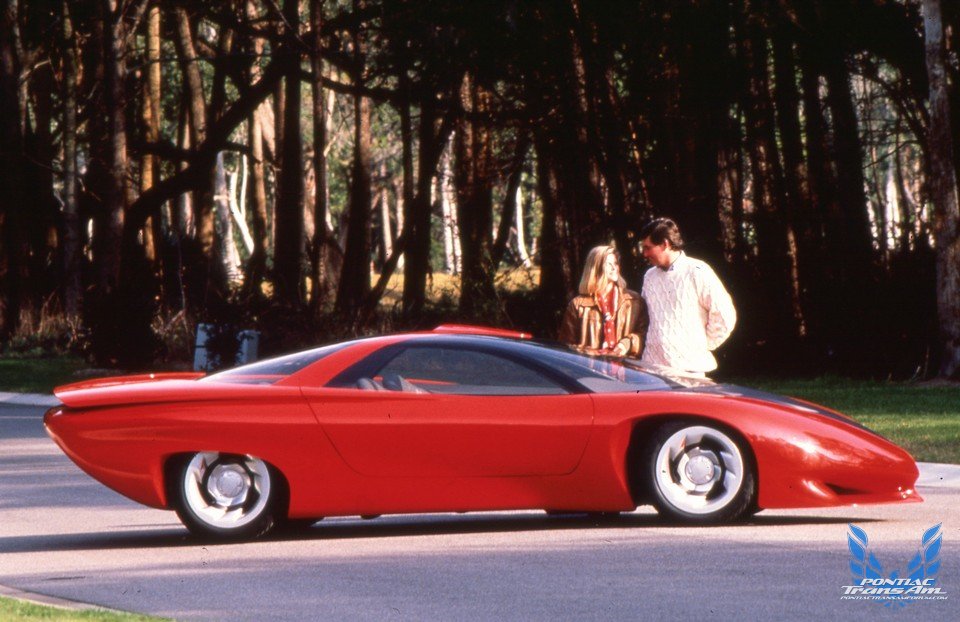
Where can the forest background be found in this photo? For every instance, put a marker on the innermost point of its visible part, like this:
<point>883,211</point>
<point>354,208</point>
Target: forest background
<point>316,168</point>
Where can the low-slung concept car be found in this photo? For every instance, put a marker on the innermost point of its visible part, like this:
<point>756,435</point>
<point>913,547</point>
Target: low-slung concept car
<point>459,419</point>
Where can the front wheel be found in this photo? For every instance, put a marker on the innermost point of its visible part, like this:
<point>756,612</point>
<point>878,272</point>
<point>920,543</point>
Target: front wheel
<point>700,473</point>
<point>226,496</point>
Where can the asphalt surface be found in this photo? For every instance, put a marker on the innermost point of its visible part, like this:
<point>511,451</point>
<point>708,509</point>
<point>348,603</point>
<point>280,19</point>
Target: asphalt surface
<point>66,538</point>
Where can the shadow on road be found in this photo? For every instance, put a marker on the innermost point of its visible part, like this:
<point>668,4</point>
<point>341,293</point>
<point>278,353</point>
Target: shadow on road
<point>432,525</point>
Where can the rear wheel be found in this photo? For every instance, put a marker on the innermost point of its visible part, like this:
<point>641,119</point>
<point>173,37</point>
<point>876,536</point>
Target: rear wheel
<point>700,473</point>
<point>226,496</point>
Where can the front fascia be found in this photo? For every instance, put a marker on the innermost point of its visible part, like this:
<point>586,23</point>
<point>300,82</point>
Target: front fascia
<point>803,459</point>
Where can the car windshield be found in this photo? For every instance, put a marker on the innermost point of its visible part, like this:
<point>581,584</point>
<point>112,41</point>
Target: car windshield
<point>610,374</point>
<point>275,369</point>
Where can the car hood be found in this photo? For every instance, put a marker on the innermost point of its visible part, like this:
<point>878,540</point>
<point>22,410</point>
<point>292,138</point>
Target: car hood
<point>782,401</point>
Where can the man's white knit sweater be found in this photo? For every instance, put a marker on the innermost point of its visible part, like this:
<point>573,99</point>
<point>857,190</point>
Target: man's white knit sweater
<point>690,314</point>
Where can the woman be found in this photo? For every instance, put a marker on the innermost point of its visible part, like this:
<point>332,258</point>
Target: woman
<point>606,318</point>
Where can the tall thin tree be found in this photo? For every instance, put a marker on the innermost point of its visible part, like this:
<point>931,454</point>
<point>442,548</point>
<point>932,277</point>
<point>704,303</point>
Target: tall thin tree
<point>943,192</point>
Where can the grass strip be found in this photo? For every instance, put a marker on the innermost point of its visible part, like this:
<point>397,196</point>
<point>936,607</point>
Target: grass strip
<point>14,610</point>
<point>37,375</point>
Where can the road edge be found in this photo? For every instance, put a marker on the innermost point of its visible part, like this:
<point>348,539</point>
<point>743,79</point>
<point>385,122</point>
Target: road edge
<point>28,399</point>
<point>35,598</point>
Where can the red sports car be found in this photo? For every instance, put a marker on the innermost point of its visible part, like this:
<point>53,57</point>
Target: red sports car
<point>459,419</point>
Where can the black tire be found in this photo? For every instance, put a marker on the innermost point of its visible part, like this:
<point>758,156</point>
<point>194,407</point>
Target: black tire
<point>226,496</point>
<point>700,472</point>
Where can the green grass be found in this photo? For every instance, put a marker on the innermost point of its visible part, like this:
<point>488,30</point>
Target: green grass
<point>12,610</point>
<point>37,375</point>
<point>925,420</point>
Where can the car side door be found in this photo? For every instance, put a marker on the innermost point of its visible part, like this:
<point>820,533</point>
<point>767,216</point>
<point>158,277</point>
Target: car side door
<point>435,411</point>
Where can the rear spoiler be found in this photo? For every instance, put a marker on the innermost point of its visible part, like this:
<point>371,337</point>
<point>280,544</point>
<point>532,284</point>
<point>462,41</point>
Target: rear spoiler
<point>97,383</point>
<point>469,329</point>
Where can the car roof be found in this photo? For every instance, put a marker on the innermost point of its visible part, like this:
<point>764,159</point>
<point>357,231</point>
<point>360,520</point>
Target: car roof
<point>352,351</point>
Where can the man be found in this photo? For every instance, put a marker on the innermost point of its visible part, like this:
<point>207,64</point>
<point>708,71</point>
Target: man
<point>691,313</point>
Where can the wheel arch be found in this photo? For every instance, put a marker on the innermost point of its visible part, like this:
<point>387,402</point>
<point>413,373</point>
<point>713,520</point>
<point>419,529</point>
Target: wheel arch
<point>173,464</point>
<point>643,429</point>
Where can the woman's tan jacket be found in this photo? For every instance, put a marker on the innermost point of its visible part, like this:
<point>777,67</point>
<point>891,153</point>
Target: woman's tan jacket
<point>583,323</point>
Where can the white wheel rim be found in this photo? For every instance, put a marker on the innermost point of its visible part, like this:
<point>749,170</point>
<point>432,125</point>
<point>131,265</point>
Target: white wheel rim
<point>226,492</point>
<point>699,470</point>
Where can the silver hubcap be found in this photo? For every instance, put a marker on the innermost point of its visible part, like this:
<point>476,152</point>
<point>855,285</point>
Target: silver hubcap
<point>699,470</point>
<point>226,491</point>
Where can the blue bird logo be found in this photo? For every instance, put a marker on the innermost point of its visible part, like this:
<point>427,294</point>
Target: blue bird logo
<point>922,569</point>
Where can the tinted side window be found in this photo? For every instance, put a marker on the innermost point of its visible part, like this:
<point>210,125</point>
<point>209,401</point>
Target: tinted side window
<point>466,372</point>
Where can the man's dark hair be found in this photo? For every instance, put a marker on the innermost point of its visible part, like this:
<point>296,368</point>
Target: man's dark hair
<point>660,230</point>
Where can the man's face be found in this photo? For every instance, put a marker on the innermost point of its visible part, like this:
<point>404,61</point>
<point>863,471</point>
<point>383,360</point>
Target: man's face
<point>657,255</point>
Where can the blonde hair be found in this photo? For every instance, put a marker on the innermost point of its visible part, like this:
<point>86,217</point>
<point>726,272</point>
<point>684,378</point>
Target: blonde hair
<point>593,278</point>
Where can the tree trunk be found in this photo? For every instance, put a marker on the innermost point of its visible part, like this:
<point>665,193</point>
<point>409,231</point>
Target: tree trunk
<point>521,231</point>
<point>196,101</point>
<point>289,243</point>
<point>384,200</point>
<point>398,214</point>
<point>150,116</point>
<point>908,208</point>
<point>730,189</point>
<point>257,263</point>
<point>847,229</point>
<point>229,258</point>
<point>597,106</point>
<point>699,96</point>
<point>787,100</point>
<point>115,201</point>
<point>45,213</point>
<point>773,262</point>
<point>405,200</point>
<point>418,245</point>
<point>13,255</point>
<point>182,215</point>
<point>448,212</point>
<point>943,193</point>
<point>237,199</point>
<point>432,135</point>
<point>225,267</point>
<point>322,245</point>
<point>510,205</point>
<point>71,246</point>
<point>557,278</point>
<point>355,277</point>
<point>821,272</point>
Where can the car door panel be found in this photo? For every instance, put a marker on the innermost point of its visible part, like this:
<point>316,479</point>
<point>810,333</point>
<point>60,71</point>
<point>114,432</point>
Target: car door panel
<point>393,434</point>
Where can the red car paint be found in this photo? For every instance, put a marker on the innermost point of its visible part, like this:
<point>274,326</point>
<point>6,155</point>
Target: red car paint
<point>346,451</point>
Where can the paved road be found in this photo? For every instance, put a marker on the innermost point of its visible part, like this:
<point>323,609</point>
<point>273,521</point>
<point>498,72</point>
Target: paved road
<point>64,535</point>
